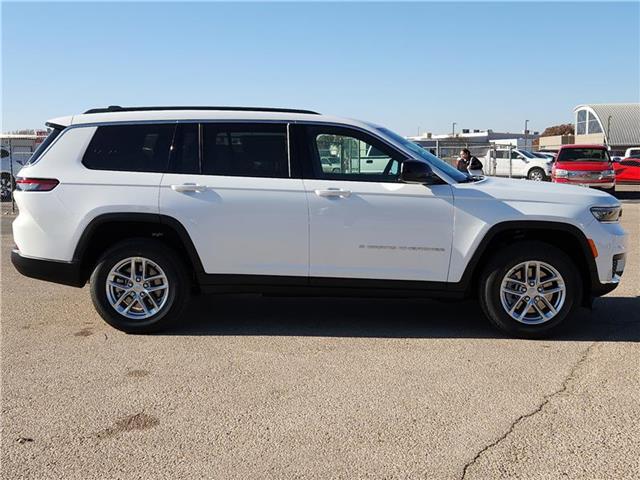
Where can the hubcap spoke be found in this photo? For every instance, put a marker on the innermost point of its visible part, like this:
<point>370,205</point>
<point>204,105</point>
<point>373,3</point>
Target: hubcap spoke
<point>137,288</point>
<point>533,292</point>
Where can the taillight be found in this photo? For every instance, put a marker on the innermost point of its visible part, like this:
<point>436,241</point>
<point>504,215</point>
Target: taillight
<point>36,184</point>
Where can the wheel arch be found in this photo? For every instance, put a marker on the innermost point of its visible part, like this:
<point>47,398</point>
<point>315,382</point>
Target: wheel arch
<point>566,237</point>
<point>105,230</point>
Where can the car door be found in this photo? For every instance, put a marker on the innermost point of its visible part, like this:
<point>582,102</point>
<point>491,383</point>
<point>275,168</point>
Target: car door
<point>230,186</point>
<point>370,225</point>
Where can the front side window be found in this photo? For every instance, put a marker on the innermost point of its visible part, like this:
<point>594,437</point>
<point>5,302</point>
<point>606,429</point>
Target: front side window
<point>130,148</point>
<point>347,155</point>
<point>245,150</point>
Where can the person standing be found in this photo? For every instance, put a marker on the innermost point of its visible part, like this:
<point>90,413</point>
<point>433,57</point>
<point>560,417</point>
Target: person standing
<point>468,163</point>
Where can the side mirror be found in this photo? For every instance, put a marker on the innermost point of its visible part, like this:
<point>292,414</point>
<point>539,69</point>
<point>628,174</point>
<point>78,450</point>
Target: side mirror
<point>415,171</point>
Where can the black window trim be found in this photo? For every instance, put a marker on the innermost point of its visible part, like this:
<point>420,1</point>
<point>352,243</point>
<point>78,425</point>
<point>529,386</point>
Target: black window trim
<point>381,144</point>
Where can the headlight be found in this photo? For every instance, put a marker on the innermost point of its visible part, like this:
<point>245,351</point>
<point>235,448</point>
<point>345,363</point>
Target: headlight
<point>560,173</point>
<point>607,214</point>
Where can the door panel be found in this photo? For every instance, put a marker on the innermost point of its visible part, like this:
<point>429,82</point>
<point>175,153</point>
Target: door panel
<point>380,230</point>
<point>239,225</point>
<point>363,222</point>
<point>242,213</point>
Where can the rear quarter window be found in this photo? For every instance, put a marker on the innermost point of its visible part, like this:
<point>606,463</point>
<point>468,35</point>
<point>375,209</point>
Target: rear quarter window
<point>130,148</point>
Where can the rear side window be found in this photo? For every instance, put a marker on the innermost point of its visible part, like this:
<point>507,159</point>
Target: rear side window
<point>130,148</point>
<point>245,150</point>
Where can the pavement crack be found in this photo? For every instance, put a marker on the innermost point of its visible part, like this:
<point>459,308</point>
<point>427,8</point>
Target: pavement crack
<point>547,398</point>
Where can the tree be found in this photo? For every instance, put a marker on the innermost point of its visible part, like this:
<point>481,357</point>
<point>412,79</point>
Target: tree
<point>563,129</point>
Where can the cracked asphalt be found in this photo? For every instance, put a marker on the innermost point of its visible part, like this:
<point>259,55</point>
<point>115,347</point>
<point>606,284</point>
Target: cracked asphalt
<point>254,387</point>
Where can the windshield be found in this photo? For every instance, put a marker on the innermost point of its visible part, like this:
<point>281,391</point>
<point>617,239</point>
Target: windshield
<point>455,174</point>
<point>527,153</point>
<point>583,155</point>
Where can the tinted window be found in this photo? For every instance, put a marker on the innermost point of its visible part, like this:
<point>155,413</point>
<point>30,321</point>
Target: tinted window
<point>583,155</point>
<point>245,150</point>
<point>43,146</point>
<point>185,157</point>
<point>350,155</point>
<point>131,148</point>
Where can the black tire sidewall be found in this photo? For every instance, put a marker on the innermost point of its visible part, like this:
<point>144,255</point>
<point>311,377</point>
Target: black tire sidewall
<point>176,276</point>
<point>536,169</point>
<point>498,268</point>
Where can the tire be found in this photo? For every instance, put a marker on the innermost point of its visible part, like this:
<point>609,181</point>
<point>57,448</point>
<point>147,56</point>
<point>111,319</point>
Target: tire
<point>7,184</point>
<point>537,175</point>
<point>500,269</point>
<point>163,269</point>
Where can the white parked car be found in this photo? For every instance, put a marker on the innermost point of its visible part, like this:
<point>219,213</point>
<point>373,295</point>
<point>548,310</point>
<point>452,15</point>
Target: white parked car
<point>151,204</point>
<point>633,152</point>
<point>521,164</point>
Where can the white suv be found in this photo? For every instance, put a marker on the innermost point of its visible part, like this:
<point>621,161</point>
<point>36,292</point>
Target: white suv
<point>521,164</point>
<point>152,204</point>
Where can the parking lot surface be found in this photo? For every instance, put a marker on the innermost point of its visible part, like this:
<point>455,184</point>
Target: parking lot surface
<point>253,387</point>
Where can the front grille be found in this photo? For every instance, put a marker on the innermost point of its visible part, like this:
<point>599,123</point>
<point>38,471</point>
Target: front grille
<point>587,175</point>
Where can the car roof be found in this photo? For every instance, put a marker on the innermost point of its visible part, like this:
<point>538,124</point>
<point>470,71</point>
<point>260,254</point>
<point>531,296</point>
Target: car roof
<point>171,114</point>
<point>601,147</point>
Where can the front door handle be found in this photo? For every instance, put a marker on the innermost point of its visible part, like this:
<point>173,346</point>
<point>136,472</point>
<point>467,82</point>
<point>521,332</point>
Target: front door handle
<point>188,187</point>
<point>334,192</point>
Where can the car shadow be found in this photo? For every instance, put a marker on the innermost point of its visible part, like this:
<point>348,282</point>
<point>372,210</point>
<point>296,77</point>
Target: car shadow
<point>612,318</point>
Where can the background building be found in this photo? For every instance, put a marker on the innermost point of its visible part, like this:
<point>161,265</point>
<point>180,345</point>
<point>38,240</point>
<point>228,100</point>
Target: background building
<point>614,124</point>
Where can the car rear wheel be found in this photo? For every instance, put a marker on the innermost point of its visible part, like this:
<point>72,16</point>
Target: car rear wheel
<point>537,175</point>
<point>140,286</point>
<point>530,289</point>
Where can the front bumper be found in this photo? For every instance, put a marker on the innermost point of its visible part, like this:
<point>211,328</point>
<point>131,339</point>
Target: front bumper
<point>66,273</point>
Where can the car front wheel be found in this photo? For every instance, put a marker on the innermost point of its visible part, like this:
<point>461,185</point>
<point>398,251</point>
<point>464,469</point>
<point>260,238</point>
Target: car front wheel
<point>140,286</point>
<point>537,175</point>
<point>529,289</point>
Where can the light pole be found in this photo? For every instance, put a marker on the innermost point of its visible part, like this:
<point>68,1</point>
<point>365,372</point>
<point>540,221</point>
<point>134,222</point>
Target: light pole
<point>526,134</point>
<point>453,129</point>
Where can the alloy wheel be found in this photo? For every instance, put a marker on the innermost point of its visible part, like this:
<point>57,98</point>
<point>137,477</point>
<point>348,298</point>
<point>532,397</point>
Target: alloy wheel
<point>137,288</point>
<point>533,292</point>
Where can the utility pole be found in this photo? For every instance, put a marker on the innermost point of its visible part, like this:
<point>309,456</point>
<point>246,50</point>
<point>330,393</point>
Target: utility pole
<point>526,134</point>
<point>453,129</point>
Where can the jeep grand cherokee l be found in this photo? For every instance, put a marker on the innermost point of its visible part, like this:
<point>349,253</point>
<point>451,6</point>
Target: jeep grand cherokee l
<point>150,204</point>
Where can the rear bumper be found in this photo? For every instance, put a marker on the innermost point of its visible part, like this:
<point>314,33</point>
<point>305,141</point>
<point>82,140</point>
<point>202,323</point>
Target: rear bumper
<point>66,273</point>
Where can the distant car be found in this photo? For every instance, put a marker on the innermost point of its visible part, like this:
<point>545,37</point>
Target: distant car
<point>522,164</point>
<point>585,165</point>
<point>627,170</point>
<point>633,152</point>
<point>10,165</point>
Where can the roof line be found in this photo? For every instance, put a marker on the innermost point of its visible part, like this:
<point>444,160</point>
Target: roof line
<point>117,108</point>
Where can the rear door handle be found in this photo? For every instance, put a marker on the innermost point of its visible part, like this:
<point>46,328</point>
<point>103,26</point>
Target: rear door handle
<point>334,192</point>
<point>188,187</point>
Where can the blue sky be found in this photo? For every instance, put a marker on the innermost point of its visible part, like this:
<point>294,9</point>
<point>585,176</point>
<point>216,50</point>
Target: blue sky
<point>404,65</point>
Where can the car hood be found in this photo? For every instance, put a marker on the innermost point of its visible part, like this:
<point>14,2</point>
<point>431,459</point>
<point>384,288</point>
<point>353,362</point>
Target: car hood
<point>583,166</point>
<point>520,190</point>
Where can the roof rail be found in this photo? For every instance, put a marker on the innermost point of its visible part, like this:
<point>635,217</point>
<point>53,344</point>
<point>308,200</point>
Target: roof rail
<point>117,108</point>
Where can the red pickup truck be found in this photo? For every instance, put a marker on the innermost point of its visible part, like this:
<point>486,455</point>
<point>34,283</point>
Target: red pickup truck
<point>585,165</point>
